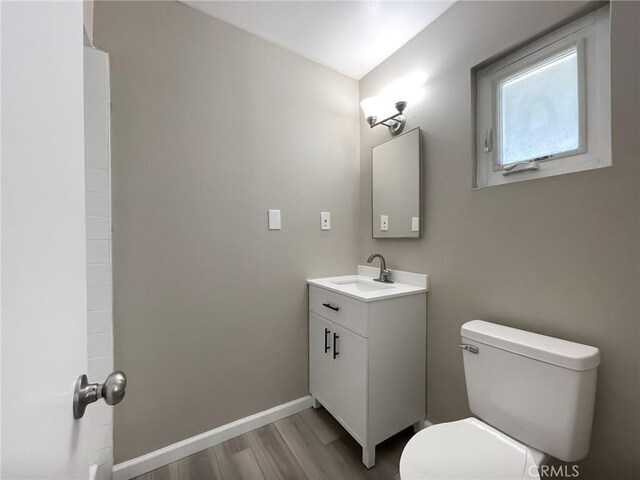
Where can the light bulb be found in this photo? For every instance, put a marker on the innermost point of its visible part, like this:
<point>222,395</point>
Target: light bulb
<point>370,107</point>
<point>408,89</point>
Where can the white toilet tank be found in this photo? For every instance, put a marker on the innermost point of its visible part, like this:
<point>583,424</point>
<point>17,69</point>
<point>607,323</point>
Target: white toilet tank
<point>539,390</point>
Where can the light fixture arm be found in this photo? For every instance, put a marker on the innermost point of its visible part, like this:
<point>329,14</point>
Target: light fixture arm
<point>382,122</point>
<point>396,121</point>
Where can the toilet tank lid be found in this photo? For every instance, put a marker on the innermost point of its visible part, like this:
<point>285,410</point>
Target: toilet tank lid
<point>555,351</point>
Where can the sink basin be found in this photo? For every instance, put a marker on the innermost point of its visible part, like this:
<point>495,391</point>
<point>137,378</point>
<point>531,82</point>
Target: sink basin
<point>363,286</point>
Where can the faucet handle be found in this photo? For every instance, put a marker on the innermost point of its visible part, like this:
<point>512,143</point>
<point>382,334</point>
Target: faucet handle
<point>384,276</point>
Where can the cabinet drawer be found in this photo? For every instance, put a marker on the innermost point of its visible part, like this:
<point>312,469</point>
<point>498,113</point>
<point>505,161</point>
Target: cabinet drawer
<point>347,313</point>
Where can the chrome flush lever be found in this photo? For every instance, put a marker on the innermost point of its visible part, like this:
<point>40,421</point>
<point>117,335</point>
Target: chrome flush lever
<point>469,348</point>
<point>112,390</point>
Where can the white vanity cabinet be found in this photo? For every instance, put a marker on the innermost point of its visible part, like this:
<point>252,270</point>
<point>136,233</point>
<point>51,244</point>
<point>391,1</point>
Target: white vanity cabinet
<point>367,359</point>
<point>338,375</point>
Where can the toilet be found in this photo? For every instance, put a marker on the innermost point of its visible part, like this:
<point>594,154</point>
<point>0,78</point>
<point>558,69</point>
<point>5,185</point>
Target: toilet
<point>534,397</point>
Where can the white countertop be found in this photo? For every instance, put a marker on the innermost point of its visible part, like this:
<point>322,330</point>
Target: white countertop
<point>362,286</point>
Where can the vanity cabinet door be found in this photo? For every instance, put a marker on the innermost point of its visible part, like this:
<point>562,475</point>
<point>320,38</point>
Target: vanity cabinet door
<point>320,359</point>
<point>350,380</point>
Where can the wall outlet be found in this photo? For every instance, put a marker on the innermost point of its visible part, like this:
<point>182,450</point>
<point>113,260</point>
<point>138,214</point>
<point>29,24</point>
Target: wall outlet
<point>325,220</point>
<point>384,223</point>
<point>275,222</point>
<point>415,224</point>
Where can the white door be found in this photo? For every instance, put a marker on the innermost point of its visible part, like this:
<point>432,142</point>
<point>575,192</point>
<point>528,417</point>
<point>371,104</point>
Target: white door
<point>42,227</point>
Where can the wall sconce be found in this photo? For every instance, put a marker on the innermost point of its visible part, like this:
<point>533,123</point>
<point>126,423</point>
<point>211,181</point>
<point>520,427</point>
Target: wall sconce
<point>402,91</point>
<point>395,122</point>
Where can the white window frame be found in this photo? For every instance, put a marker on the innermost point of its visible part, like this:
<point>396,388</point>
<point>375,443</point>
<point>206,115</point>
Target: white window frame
<point>590,35</point>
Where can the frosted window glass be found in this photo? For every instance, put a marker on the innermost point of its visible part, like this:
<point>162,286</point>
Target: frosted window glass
<point>539,109</point>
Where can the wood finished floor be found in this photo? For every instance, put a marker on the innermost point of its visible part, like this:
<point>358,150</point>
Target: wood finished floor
<point>309,445</point>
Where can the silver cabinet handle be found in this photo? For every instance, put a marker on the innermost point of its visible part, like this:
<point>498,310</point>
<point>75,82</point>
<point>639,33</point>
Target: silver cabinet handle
<point>469,348</point>
<point>112,390</point>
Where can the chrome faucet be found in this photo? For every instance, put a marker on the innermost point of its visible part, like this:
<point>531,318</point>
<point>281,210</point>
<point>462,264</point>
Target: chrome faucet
<point>384,273</point>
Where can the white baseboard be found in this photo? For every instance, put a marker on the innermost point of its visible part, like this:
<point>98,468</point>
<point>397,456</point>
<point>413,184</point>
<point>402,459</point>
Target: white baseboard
<point>171,453</point>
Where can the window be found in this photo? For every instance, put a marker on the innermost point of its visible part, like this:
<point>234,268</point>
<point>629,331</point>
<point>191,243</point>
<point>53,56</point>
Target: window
<point>546,108</point>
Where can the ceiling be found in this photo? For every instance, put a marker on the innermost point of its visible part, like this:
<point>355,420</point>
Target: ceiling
<point>352,37</point>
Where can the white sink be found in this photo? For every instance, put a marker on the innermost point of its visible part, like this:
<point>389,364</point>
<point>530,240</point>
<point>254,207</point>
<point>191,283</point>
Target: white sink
<point>363,287</point>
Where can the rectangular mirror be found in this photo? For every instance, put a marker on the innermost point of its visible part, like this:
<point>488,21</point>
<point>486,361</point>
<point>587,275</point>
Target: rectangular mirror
<point>396,187</point>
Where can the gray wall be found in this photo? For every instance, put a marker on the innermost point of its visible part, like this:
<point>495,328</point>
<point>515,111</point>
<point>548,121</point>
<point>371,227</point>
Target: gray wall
<point>558,256</point>
<point>211,127</point>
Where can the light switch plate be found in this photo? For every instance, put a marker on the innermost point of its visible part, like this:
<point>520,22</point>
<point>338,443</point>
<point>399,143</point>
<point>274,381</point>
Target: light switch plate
<point>384,223</point>
<point>415,224</point>
<point>325,220</point>
<point>275,222</point>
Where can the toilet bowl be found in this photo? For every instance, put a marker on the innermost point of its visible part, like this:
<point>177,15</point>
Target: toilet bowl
<point>531,393</point>
<point>468,449</point>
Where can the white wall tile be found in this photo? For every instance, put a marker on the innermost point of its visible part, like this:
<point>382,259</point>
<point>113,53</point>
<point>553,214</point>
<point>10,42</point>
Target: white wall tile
<point>95,85</point>
<point>98,251</point>
<point>99,292</point>
<point>100,345</point>
<point>96,156</point>
<point>98,228</point>
<point>101,413</point>
<point>97,204</point>
<point>102,437</point>
<point>96,62</point>
<point>99,368</point>
<point>96,125</point>
<point>98,299</point>
<point>99,322</point>
<point>96,180</point>
<point>99,275</point>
